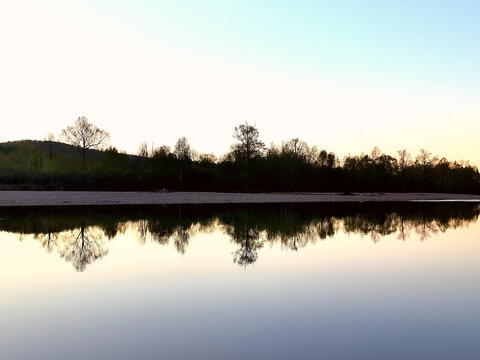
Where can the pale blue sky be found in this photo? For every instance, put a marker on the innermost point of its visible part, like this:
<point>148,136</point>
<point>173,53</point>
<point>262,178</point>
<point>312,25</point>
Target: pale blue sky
<point>342,75</point>
<point>407,41</point>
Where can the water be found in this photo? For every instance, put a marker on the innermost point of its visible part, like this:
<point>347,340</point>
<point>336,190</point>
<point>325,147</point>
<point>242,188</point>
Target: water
<point>244,282</point>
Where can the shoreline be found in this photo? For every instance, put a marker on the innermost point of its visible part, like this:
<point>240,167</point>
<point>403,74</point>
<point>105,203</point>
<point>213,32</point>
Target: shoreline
<point>92,198</point>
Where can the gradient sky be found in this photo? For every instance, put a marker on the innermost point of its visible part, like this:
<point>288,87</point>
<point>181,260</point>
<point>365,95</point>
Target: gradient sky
<point>342,75</point>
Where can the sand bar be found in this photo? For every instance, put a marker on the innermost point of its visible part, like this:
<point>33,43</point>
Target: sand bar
<point>77,198</point>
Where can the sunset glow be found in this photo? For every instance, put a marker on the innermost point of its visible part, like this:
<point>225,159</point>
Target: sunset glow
<point>343,78</point>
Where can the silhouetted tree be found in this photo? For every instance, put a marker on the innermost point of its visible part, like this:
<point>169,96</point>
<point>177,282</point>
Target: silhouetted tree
<point>182,149</point>
<point>143,150</point>
<point>297,148</point>
<point>404,159</point>
<point>84,136</point>
<point>248,148</point>
<point>248,144</point>
<point>183,153</point>
<point>425,159</point>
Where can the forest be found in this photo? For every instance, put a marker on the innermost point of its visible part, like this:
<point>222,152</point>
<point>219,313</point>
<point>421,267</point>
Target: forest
<point>80,159</point>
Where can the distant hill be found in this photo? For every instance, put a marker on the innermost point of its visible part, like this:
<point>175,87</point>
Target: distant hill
<point>54,146</point>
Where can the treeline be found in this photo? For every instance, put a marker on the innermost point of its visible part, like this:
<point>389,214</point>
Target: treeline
<point>292,166</point>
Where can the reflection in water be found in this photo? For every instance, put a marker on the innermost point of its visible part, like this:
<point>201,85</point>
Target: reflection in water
<point>81,235</point>
<point>84,248</point>
<point>48,241</point>
<point>249,242</point>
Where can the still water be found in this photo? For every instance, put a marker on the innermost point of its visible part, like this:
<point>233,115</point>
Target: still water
<point>241,282</point>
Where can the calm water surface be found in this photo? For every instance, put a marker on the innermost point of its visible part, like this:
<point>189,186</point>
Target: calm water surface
<point>245,282</point>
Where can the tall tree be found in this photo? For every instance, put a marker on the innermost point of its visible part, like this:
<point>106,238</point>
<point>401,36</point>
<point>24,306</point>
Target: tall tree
<point>144,154</point>
<point>84,136</point>
<point>182,149</point>
<point>249,145</point>
<point>404,159</point>
<point>143,151</point>
<point>182,152</point>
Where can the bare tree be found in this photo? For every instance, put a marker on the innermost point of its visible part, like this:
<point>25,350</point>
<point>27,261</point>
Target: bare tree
<point>425,159</point>
<point>296,147</point>
<point>404,159</point>
<point>143,150</point>
<point>375,154</point>
<point>84,136</point>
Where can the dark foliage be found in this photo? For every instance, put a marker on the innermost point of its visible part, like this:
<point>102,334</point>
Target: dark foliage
<point>292,167</point>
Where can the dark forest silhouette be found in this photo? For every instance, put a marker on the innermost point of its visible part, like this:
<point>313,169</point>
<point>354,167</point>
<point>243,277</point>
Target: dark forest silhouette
<point>81,235</point>
<point>291,167</point>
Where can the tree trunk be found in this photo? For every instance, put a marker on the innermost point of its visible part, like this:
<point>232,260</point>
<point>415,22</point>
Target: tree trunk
<point>83,159</point>
<point>180,180</point>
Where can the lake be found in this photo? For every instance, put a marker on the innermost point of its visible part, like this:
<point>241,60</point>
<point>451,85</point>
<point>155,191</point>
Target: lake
<point>345,281</point>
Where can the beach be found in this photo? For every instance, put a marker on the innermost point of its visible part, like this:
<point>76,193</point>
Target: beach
<point>90,198</point>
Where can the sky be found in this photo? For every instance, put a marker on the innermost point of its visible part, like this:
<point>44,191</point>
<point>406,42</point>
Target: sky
<point>342,75</point>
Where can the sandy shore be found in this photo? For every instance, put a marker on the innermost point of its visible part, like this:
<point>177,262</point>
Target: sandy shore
<point>63,198</point>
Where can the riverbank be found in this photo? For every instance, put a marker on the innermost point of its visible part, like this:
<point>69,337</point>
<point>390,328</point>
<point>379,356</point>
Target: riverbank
<point>82,198</point>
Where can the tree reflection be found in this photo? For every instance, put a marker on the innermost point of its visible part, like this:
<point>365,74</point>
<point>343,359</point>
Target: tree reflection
<point>249,243</point>
<point>81,237</point>
<point>326,227</point>
<point>163,231</point>
<point>84,248</point>
<point>48,241</point>
<point>181,239</point>
<point>142,231</point>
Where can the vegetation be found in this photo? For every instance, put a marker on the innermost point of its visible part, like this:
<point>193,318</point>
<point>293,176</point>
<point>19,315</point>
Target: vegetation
<point>249,166</point>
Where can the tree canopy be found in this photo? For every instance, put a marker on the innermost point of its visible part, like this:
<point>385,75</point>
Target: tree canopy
<point>248,144</point>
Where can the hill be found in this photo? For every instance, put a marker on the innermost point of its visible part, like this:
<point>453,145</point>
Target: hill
<point>50,146</point>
